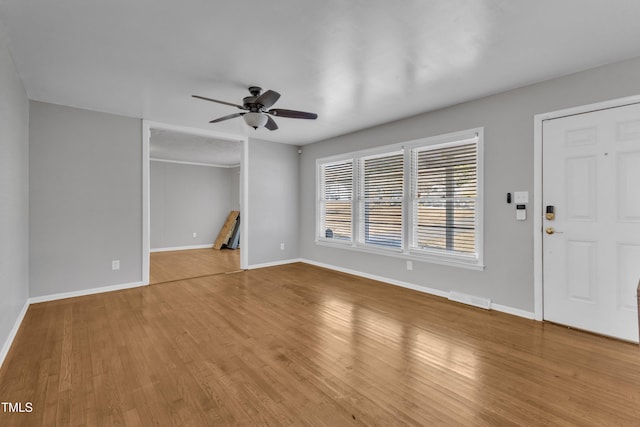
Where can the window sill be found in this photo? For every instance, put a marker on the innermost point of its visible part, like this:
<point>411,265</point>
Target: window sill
<point>440,259</point>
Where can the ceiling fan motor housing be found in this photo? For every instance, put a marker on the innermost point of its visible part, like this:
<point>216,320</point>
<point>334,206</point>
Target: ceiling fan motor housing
<point>249,102</point>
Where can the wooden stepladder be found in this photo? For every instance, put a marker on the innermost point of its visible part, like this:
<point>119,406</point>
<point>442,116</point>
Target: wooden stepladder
<point>227,229</point>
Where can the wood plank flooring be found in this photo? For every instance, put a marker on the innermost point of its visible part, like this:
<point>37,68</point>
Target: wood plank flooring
<point>177,265</point>
<point>301,345</point>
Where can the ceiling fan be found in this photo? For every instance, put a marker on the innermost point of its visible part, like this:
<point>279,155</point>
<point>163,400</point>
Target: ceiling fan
<point>257,109</point>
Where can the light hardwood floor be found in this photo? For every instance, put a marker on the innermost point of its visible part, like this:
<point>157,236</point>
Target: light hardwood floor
<point>177,265</point>
<point>301,345</point>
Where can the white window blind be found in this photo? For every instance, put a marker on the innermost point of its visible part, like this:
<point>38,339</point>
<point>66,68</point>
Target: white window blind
<point>444,197</point>
<point>336,200</point>
<point>380,197</point>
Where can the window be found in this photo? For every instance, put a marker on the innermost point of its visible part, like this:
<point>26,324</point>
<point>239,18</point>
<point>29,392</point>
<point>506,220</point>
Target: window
<point>336,200</point>
<point>444,197</point>
<point>420,200</point>
<point>381,192</point>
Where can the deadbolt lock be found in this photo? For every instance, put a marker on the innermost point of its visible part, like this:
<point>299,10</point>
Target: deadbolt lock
<point>551,213</point>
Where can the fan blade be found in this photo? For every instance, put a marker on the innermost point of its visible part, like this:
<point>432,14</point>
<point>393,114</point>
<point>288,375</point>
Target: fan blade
<point>293,114</point>
<point>219,102</point>
<point>230,116</point>
<point>271,124</point>
<point>267,99</point>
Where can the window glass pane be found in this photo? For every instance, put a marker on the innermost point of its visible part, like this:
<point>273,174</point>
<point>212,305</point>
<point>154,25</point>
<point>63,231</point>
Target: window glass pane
<point>338,183</point>
<point>383,223</point>
<point>383,177</point>
<point>337,220</point>
<point>450,226</point>
<point>449,170</point>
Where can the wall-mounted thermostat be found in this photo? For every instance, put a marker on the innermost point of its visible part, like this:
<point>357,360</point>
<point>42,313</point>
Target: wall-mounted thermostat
<point>521,212</point>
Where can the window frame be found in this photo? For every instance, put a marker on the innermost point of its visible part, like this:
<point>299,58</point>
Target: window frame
<point>407,251</point>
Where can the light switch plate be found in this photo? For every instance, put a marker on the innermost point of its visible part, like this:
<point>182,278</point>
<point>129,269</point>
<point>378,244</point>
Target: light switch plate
<point>521,197</point>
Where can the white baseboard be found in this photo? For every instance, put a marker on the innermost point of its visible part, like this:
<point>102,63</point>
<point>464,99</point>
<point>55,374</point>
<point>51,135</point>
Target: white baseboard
<point>512,311</point>
<point>474,300</point>
<point>13,332</point>
<point>83,292</point>
<point>431,291</point>
<point>273,264</point>
<point>424,289</point>
<point>182,248</point>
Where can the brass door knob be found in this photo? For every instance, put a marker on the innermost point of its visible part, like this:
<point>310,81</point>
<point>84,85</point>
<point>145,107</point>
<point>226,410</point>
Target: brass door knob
<point>551,230</point>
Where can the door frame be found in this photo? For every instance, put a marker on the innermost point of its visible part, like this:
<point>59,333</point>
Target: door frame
<point>538,120</point>
<point>147,125</point>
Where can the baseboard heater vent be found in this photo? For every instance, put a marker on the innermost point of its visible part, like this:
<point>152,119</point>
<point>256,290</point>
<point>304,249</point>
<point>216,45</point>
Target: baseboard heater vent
<point>470,299</point>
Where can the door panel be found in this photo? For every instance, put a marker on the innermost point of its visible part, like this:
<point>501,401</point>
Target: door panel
<point>581,180</point>
<point>591,256</point>
<point>581,283</point>
<point>628,181</point>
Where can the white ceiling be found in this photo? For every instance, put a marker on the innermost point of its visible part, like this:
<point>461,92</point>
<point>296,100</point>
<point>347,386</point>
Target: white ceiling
<point>356,63</point>
<point>182,147</point>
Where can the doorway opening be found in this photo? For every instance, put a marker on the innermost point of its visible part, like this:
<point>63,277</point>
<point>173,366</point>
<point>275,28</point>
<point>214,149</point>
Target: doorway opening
<point>193,179</point>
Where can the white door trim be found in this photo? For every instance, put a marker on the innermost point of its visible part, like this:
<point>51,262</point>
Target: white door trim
<point>147,125</point>
<point>537,186</point>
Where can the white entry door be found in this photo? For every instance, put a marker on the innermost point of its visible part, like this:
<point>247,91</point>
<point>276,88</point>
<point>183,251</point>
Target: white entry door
<point>591,249</point>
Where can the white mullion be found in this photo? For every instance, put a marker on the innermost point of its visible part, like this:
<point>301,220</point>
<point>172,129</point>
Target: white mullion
<point>407,203</point>
<point>355,201</point>
<point>319,198</point>
<point>479,199</point>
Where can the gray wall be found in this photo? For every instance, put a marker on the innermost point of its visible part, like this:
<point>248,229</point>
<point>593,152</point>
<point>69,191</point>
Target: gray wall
<point>187,199</point>
<point>234,196</point>
<point>508,122</point>
<point>273,202</point>
<point>85,198</point>
<point>14,186</point>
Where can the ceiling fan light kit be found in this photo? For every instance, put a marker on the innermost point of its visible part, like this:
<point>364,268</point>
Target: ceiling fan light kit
<point>255,120</point>
<point>257,106</point>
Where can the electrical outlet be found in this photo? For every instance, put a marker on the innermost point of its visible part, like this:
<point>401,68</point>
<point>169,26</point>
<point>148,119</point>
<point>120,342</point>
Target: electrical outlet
<point>115,264</point>
<point>195,235</point>
<point>409,265</point>
<point>282,246</point>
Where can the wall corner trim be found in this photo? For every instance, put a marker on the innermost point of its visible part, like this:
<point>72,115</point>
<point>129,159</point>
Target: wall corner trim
<point>14,331</point>
<point>423,289</point>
